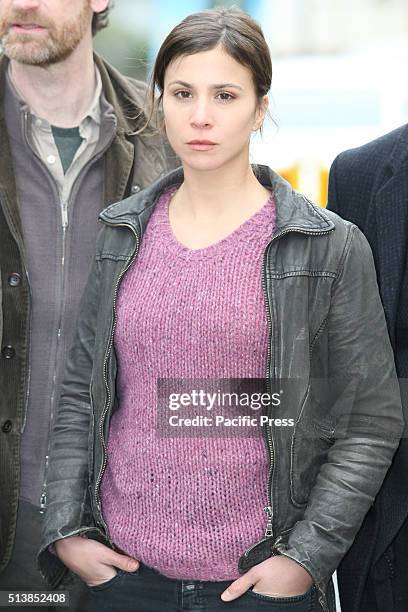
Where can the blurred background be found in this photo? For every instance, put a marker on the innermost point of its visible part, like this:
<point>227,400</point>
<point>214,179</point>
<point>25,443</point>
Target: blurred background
<point>340,73</point>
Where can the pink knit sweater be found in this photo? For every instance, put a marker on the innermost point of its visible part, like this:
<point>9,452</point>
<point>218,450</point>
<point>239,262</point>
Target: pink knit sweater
<point>187,506</point>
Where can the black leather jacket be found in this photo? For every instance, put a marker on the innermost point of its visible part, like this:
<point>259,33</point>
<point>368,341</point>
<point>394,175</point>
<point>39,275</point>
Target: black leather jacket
<point>326,322</point>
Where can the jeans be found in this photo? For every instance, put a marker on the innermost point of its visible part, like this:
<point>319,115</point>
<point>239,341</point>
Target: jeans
<point>146,590</point>
<point>21,574</point>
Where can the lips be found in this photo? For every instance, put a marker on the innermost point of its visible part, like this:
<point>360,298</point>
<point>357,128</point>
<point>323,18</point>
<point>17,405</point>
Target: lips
<point>201,145</point>
<point>27,27</point>
<point>201,142</point>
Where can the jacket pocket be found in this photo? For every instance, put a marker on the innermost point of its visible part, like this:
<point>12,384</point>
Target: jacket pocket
<point>311,442</point>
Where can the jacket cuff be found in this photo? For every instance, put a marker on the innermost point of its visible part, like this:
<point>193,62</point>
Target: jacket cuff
<point>49,564</point>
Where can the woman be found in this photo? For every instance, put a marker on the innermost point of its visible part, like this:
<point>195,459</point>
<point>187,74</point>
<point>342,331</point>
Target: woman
<point>220,271</point>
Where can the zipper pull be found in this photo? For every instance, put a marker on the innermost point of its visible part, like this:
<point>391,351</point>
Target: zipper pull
<point>43,502</point>
<point>269,513</point>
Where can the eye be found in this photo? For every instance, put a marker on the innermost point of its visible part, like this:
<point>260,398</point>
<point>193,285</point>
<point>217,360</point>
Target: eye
<point>182,94</point>
<point>224,96</point>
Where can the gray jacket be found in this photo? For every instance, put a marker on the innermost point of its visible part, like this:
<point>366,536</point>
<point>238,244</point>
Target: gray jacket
<point>326,324</point>
<point>131,162</point>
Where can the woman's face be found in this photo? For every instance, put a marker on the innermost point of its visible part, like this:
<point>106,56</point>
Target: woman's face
<point>210,109</point>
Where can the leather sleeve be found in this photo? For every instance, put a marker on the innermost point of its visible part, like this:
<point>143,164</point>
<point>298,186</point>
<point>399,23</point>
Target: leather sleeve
<point>369,422</point>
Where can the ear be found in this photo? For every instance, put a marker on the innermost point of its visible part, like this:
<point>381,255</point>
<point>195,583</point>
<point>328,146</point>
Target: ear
<point>260,113</point>
<point>99,5</point>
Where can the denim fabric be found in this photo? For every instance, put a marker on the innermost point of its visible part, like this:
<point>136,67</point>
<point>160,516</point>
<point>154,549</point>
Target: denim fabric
<point>148,591</point>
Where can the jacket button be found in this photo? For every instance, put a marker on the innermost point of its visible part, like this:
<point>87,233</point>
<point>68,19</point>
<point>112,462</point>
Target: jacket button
<point>136,188</point>
<point>8,352</point>
<point>7,426</point>
<point>14,279</point>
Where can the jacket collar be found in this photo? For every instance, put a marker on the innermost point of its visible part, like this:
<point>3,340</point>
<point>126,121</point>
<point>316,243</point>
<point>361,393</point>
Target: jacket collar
<point>120,92</point>
<point>4,62</point>
<point>399,154</point>
<point>294,212</point>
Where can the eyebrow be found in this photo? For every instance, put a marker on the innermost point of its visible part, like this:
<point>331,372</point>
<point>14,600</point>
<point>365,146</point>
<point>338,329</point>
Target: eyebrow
<point>216,86</point>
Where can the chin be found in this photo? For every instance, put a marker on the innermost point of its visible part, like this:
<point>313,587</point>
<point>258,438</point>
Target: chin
<point>28,53</point>
<point>203,165</point>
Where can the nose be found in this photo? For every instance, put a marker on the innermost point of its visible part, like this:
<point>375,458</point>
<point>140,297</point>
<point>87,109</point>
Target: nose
<point>201,115</point>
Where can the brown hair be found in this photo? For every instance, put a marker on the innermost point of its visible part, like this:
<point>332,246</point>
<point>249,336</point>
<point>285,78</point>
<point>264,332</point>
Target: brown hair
<point>101,20</point>
<point>238,33</point>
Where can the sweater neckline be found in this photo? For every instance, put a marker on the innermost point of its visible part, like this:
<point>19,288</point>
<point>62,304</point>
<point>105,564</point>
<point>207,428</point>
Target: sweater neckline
<point>261,223</point>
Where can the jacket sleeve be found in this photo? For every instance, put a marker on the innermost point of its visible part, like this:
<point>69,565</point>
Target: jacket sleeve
<point>369,419</point>
<point>350,190</point>
<point>347,192</point>
<point>68,510</point>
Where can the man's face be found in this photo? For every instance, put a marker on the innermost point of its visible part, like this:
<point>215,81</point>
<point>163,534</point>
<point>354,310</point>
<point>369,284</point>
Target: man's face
<point>43,32</point>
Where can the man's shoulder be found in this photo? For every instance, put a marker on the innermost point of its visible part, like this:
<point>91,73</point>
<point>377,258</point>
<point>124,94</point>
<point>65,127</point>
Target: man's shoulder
<point>125,87</point>
<point>138,89</point>
<point>374,152</point>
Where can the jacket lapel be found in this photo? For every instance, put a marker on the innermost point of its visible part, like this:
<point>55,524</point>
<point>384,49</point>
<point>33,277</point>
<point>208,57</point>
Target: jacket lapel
<point>391,211</point>
<point>134,159</point>
<point>7,182</point>
<point>118,164</point>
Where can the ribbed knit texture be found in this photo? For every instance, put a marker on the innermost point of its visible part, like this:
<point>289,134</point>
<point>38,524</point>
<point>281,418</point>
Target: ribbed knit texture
<point>188,507</point>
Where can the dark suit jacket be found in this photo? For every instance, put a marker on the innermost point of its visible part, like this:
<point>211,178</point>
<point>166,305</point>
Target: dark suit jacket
<point>369,186</point>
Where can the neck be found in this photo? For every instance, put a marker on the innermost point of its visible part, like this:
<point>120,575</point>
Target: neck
<point>213,193</point>
<point>59,93</point>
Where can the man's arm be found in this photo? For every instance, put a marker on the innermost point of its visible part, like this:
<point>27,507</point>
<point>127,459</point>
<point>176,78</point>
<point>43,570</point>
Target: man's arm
<point>347,190</point>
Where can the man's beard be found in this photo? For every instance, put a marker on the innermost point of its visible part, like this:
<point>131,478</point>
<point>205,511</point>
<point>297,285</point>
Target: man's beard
<point>55,45</point>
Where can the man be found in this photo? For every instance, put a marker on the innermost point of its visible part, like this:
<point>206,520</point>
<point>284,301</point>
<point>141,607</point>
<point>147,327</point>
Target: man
<point>68,149</point>
<point>369,186</point>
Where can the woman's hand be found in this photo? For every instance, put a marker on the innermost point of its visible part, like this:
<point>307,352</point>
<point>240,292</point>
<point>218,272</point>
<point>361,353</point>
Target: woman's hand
<point>94,562</point>
<point>277,576</point>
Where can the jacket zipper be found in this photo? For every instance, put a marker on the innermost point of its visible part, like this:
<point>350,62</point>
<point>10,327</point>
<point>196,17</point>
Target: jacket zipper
<point>43,496</point>
<point>268,430</point>
<point>64,215</point>
<point>269,508</point>
<point>269,437</point>
<point>105,375</point>
<point>64,205</point>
